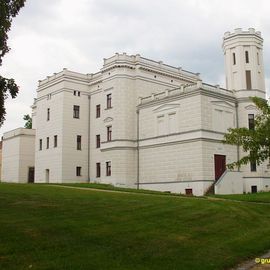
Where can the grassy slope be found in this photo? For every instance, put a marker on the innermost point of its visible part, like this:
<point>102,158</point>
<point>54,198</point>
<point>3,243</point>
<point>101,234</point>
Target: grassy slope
<point>114,188</point>
<point>52,228</point>
<point>254,197</point>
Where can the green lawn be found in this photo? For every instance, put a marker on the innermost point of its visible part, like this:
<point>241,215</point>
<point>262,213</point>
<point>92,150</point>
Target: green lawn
<point>47,227</point>
<point>251,197</point>
<point>114,188</point>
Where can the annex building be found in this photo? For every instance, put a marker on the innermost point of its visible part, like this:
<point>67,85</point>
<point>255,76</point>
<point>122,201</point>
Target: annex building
<point>141,123</point>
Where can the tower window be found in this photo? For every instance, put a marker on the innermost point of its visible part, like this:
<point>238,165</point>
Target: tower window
<point>251,121</point>
<point>48,114</point>
<point>79,142</point>
<point>258,58</point>
<point>247,57</point>
<point>40,144</point>
<point>55,141</point>
<point>48,142</point>
<point>234,59</point>
<point>248,79</point>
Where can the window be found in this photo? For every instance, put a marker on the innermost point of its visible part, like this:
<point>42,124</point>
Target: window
<point>247,57</point>
<point>40,144</point>
<point>172,123</point>
<point>74,93</point>
<point>98,169</point>
<point>248,79</point>
<point>234,59</point>
<point>48,142</point>
<point>78,171</point>
<point>98,141</point>
<point>251,121</point>
<point>79,93</point>
<point>49,96</point>
<point>76,111</point>
<point>55,141</point>
<point>160,125</point>
<point>253,167</point>
<point>189,191</point>
<point>48,114</point>
<point>98,111</point>
<point>258,58</point>
<point>108,168</point>
<point>109,101</point>
<point>109,133</point>
<point>79,142</point>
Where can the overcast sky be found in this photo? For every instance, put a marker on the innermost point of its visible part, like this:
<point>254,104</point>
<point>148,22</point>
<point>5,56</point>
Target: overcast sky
<point>49,35</point>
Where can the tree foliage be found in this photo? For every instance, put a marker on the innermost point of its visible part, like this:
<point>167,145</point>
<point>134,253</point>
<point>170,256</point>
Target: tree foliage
<point>8,10</point>
<point>255,142</point>
<point>28,119</point>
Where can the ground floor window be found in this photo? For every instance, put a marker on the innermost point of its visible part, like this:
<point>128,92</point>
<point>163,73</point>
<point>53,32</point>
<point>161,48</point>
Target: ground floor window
<point>108,168</point>
<point>78,171</point>
<point>98,169</point>
<point>253,189</point>
<point>189,191</point>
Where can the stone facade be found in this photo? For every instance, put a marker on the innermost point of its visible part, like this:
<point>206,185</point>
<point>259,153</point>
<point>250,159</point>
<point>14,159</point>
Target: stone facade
<point>141,123</point>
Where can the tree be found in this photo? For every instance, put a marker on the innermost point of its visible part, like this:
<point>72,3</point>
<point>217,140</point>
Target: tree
<point>255,142</point>
<point>28,120</point>
<point>8,10</point>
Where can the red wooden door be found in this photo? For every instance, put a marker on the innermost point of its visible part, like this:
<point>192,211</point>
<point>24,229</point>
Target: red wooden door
<point>220,165</point>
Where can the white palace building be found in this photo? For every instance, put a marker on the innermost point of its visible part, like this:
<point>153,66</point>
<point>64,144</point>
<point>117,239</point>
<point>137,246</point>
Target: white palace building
<point>143,124</point>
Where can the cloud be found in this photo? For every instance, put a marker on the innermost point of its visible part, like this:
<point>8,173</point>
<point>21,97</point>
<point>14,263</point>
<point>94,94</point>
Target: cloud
<point>49,35</point>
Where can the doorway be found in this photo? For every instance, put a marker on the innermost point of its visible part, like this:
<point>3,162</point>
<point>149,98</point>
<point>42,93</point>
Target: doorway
<point>220,166</point>
<point>47,175</point>
<point>31,174</point>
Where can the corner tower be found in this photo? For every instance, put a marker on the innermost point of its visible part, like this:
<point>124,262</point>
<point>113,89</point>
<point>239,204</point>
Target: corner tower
<point>243,51</point>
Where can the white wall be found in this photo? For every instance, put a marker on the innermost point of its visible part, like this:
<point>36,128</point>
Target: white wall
<point>230,183</point>
<point>18,155</point>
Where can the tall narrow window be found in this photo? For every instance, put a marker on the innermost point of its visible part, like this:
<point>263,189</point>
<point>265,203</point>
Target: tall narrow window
<point>48,142</point>
<point>74,93</point>
<point>78,171</point>
<point>109,133</point>
<point>76,111</point>
<point>48,114</point>
<point>108,168</point>
<point>98,141</point>
<point>55,141</point>
<point>40,144</point>
<point>109,101</point>
<point>258,58</point>
<point>79,93</point>
<point>248,80</point>
<point>98,111</point>
<point>234,58</point>
<point>253,165</point>
<point>247,57</point>
<point>98,169</point>
<point>79,142</point>
<point>251,121</point>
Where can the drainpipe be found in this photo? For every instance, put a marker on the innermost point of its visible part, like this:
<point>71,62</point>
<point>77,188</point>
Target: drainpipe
<point>237,126</point>
<point>88,154</point>
<point>138,151</point>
